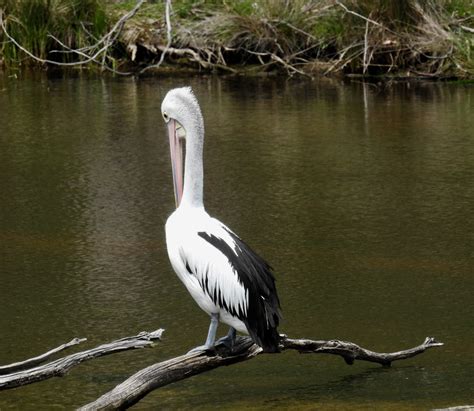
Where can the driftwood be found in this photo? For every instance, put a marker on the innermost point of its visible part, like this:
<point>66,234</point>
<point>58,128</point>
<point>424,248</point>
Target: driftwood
<point>144,381</point>
<point>58,368</point>
<point>157,375</point>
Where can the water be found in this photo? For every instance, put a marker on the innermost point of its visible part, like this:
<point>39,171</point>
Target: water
<point>360,196</point>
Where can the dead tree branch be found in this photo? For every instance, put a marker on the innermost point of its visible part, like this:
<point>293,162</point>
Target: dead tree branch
<point>60,367</point>
<point>89,54</point>
<point>352,352</point>
<point>193,56</point>
<point>368,20</point>
<point>168,37</point>
<point>144,381</point>
<point>158,375</point>
<point>33,362</point>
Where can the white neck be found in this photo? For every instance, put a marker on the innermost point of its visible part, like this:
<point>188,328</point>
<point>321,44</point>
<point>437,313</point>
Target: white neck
<point>193,168</point>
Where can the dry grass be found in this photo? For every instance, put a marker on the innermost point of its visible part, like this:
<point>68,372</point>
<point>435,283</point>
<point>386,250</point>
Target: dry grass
<point>418,37</point>
<point>430,38</point>
<point>406,37</point>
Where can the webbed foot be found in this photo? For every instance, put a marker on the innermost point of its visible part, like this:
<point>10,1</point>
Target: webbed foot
<point>229,339</point>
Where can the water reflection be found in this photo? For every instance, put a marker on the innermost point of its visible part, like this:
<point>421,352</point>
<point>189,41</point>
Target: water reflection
<point>359,195</point>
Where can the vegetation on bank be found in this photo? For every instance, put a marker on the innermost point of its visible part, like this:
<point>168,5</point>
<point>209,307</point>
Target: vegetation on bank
<point>36,23</point>
<point>421,38</point>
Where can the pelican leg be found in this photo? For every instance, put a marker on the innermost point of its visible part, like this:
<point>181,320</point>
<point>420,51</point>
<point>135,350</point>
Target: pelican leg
<point>229,339</point>
<point>211,336</point>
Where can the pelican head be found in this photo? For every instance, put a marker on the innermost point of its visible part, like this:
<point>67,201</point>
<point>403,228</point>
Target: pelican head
<point>182,114</point>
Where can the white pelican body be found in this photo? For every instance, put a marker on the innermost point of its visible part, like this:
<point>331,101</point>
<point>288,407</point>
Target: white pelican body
<point>224,276</point>
<point>206,263</point>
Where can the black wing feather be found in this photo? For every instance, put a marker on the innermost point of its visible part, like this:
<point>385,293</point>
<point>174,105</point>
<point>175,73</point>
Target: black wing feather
<point>263,312</point>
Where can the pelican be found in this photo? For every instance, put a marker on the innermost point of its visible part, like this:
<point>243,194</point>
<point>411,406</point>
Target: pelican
<point>228,280</point>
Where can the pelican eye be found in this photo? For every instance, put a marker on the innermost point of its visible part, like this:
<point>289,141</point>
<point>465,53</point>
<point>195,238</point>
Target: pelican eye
<point>166,117</point>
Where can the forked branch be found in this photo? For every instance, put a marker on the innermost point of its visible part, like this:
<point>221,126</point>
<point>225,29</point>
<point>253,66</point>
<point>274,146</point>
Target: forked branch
<point>61,366</point>
<point>158,375</point>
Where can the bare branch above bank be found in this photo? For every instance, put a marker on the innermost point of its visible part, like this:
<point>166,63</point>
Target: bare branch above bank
<point>158,375</point>
<point>61,366</point>
<point>96,53</point>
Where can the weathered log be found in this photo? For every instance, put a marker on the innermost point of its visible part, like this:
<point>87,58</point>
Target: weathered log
<point>158,375</point>
<point>61,366</point>
<point>143,382</point>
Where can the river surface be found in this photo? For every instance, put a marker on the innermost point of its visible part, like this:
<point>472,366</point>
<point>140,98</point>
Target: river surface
<point>360,196</point>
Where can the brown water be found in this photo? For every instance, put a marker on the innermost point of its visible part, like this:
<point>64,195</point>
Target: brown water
<point>360,196</point>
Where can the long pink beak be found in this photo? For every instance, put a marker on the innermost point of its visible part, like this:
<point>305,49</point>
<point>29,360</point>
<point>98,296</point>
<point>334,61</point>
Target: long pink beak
<point>177,164</point>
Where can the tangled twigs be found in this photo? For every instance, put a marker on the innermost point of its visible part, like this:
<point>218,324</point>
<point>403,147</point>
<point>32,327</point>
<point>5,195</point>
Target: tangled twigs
<point>89,54</point>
